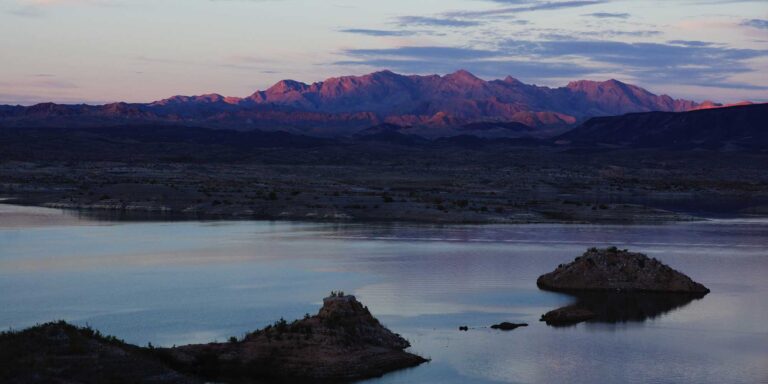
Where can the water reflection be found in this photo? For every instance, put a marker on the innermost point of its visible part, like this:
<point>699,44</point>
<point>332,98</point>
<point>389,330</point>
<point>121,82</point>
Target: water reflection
<point>624,307</point>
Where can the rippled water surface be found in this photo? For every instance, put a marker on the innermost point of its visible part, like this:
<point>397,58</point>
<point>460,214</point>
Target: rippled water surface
<point>184,282</point>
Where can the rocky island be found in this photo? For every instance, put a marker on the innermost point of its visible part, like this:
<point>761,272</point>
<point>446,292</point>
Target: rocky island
<point>617,285</point>
<point>343,342</point>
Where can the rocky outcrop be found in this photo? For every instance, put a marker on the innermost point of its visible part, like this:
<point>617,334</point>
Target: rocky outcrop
<point>342,342</point>
<point>618,270</point>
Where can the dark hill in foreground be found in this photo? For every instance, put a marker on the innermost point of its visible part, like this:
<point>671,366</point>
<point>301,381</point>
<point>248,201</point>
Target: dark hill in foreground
<point>739,127</point>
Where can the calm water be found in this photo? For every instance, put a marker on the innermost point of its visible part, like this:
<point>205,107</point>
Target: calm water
<point>184,282</point>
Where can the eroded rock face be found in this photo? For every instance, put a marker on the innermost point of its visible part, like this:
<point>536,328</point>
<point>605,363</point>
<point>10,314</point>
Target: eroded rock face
<point>342,342</point>
<point>616,270</point>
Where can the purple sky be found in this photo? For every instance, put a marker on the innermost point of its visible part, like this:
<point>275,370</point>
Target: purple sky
<point>141,50</point>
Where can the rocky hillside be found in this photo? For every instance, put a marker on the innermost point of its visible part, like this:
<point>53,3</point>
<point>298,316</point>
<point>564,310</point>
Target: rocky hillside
<point>737,127</point>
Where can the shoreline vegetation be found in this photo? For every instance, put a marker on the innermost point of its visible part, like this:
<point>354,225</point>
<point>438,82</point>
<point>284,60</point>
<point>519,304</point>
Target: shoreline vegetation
<point>399,184</point>
<point>622,214</point>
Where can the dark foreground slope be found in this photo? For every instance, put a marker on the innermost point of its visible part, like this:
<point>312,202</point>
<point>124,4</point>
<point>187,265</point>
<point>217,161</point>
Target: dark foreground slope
<point>143,142</point>
<point>731,128</point>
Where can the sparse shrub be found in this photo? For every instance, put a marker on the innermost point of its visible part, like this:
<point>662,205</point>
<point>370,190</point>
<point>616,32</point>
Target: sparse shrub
<point>281,325</point>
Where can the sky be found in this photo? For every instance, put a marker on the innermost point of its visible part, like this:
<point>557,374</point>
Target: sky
<point>100,51</point>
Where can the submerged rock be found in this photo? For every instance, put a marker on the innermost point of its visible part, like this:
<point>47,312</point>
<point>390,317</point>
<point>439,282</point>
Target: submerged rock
<point>507,326</point>
<point>342,342</point>
<point>616,270</point>
<point>571,314</point>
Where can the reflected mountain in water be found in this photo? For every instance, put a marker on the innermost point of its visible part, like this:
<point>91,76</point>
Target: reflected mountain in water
<point>618,307</point>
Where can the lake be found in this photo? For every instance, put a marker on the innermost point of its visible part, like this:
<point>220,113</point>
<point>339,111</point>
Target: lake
<point>181,282</point>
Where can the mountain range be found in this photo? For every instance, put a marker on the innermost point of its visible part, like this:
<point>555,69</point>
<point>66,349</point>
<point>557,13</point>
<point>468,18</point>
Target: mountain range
<point>430,106</point>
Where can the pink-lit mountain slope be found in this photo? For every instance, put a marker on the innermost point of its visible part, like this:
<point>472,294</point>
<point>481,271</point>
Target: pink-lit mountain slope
<point>345,105</point>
